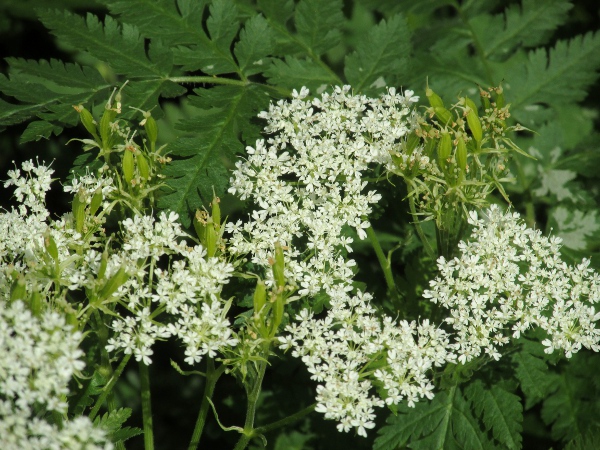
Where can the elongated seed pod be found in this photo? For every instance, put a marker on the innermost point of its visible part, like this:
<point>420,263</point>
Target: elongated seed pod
<point>96,201</point>
<point>435,100</point>
<point>260,296</point>
<point>443,115</point>
<point>127,165</point>
<point>461,155</point>
<point>411,143</point>
<point>87,120</point>
<point>444,149</point>
<point>112,284</point>
<point>473,121</point>
<point>151,129</point>
<point>143,166</point>
<point>78,208</point>
<point>105,130</point>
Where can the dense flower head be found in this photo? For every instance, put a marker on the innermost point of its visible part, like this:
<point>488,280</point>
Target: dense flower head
<point>39,357</point>
<point>307,179</point>
<point>510,278</point>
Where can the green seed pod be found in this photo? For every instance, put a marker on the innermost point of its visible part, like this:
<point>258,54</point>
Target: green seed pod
<point>96,201</point>
<point>211,238</point>
<point>430,147</point>
<point>279,265</point>
<point>485,99</point>
<point>500,101</point>
<point>105,130</point>
<point>444,149</point>
<point>200,225</point>
<point>471,104</point>
<point>411,143</point>
<point>151,129</point>
<point>216,212</point>
<point>435,100</point>
<point>277,313</point>
<point>143,166</point>
<point>474,122</point>
<point>443,115</point>
<point>461,155</point>
<point>35,303</point>
<point>260,296</point>
<point>87,120</point>
<point>78,208</point>
<point>18,289</point>
<point>127,165</point>
<point>116,281</point>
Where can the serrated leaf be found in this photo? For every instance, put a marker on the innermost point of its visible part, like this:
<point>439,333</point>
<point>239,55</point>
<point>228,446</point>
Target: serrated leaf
<point>255,44</point>
<point>501,411</point>
<point>39,130</point>
<point>559,76</point>
<point>318,24</point>
<point>528,24</point>
<point>572,409</point>
<point>224,112</point>
<point>122,47</point>
<point>382,56</point>
<point>535,379</point>
<point>446,422</point>
<point>113,422</point>
<point>175,23</point>
<point>293,73</point>
<point>223,23</point>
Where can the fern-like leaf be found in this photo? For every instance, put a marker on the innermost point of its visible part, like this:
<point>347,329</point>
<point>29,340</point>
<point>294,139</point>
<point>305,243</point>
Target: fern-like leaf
<point>384,51</point>
<point>113,422</point>
<point>318,24</point>
<point>445,423</point>
<point>500,410</point>
<point>293,73</point>
<point>210,142</point>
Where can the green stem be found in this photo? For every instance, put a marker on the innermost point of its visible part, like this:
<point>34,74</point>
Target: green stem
<point>109,387</point>
<point>383,261</point>
<point>417,223</point>
<point>212,376</point>
<point>227,81</point>
<point>146,406</point>
<point>253,393</point>
<point>287,420</point>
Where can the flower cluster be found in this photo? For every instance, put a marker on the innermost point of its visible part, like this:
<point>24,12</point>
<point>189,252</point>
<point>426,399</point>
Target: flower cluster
<point>307,180</point>
<point>510,278</point>
<point>39,357</point>
<point>189,290</point>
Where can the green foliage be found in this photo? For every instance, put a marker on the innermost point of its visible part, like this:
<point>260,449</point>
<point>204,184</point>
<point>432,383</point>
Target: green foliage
<point>113,422</point>
<point>208,67</point>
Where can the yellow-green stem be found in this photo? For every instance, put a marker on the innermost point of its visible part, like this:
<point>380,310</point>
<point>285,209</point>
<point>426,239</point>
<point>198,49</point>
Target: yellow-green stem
<point>383,261</point>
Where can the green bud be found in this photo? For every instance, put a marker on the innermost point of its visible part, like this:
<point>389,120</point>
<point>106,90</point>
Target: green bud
<point>443,115</point>
<point>260,296</point>
<point>143,166</point>
<point>444,149</point>
<point>127,165</point>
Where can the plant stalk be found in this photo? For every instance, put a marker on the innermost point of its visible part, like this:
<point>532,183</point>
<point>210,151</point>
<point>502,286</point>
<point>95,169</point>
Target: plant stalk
<point>146,406</point>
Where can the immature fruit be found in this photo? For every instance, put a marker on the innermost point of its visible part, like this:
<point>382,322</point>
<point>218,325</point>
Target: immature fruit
<point>105,129</point>
<point>444,150</point>
<point>143,166</point>
<point>461,155</point>
<point>434,100</point>
<point>473,121</point>
<point>128,165</point>
<point>151,129</point>
<point>443,115</point>
<point>87,120</point>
